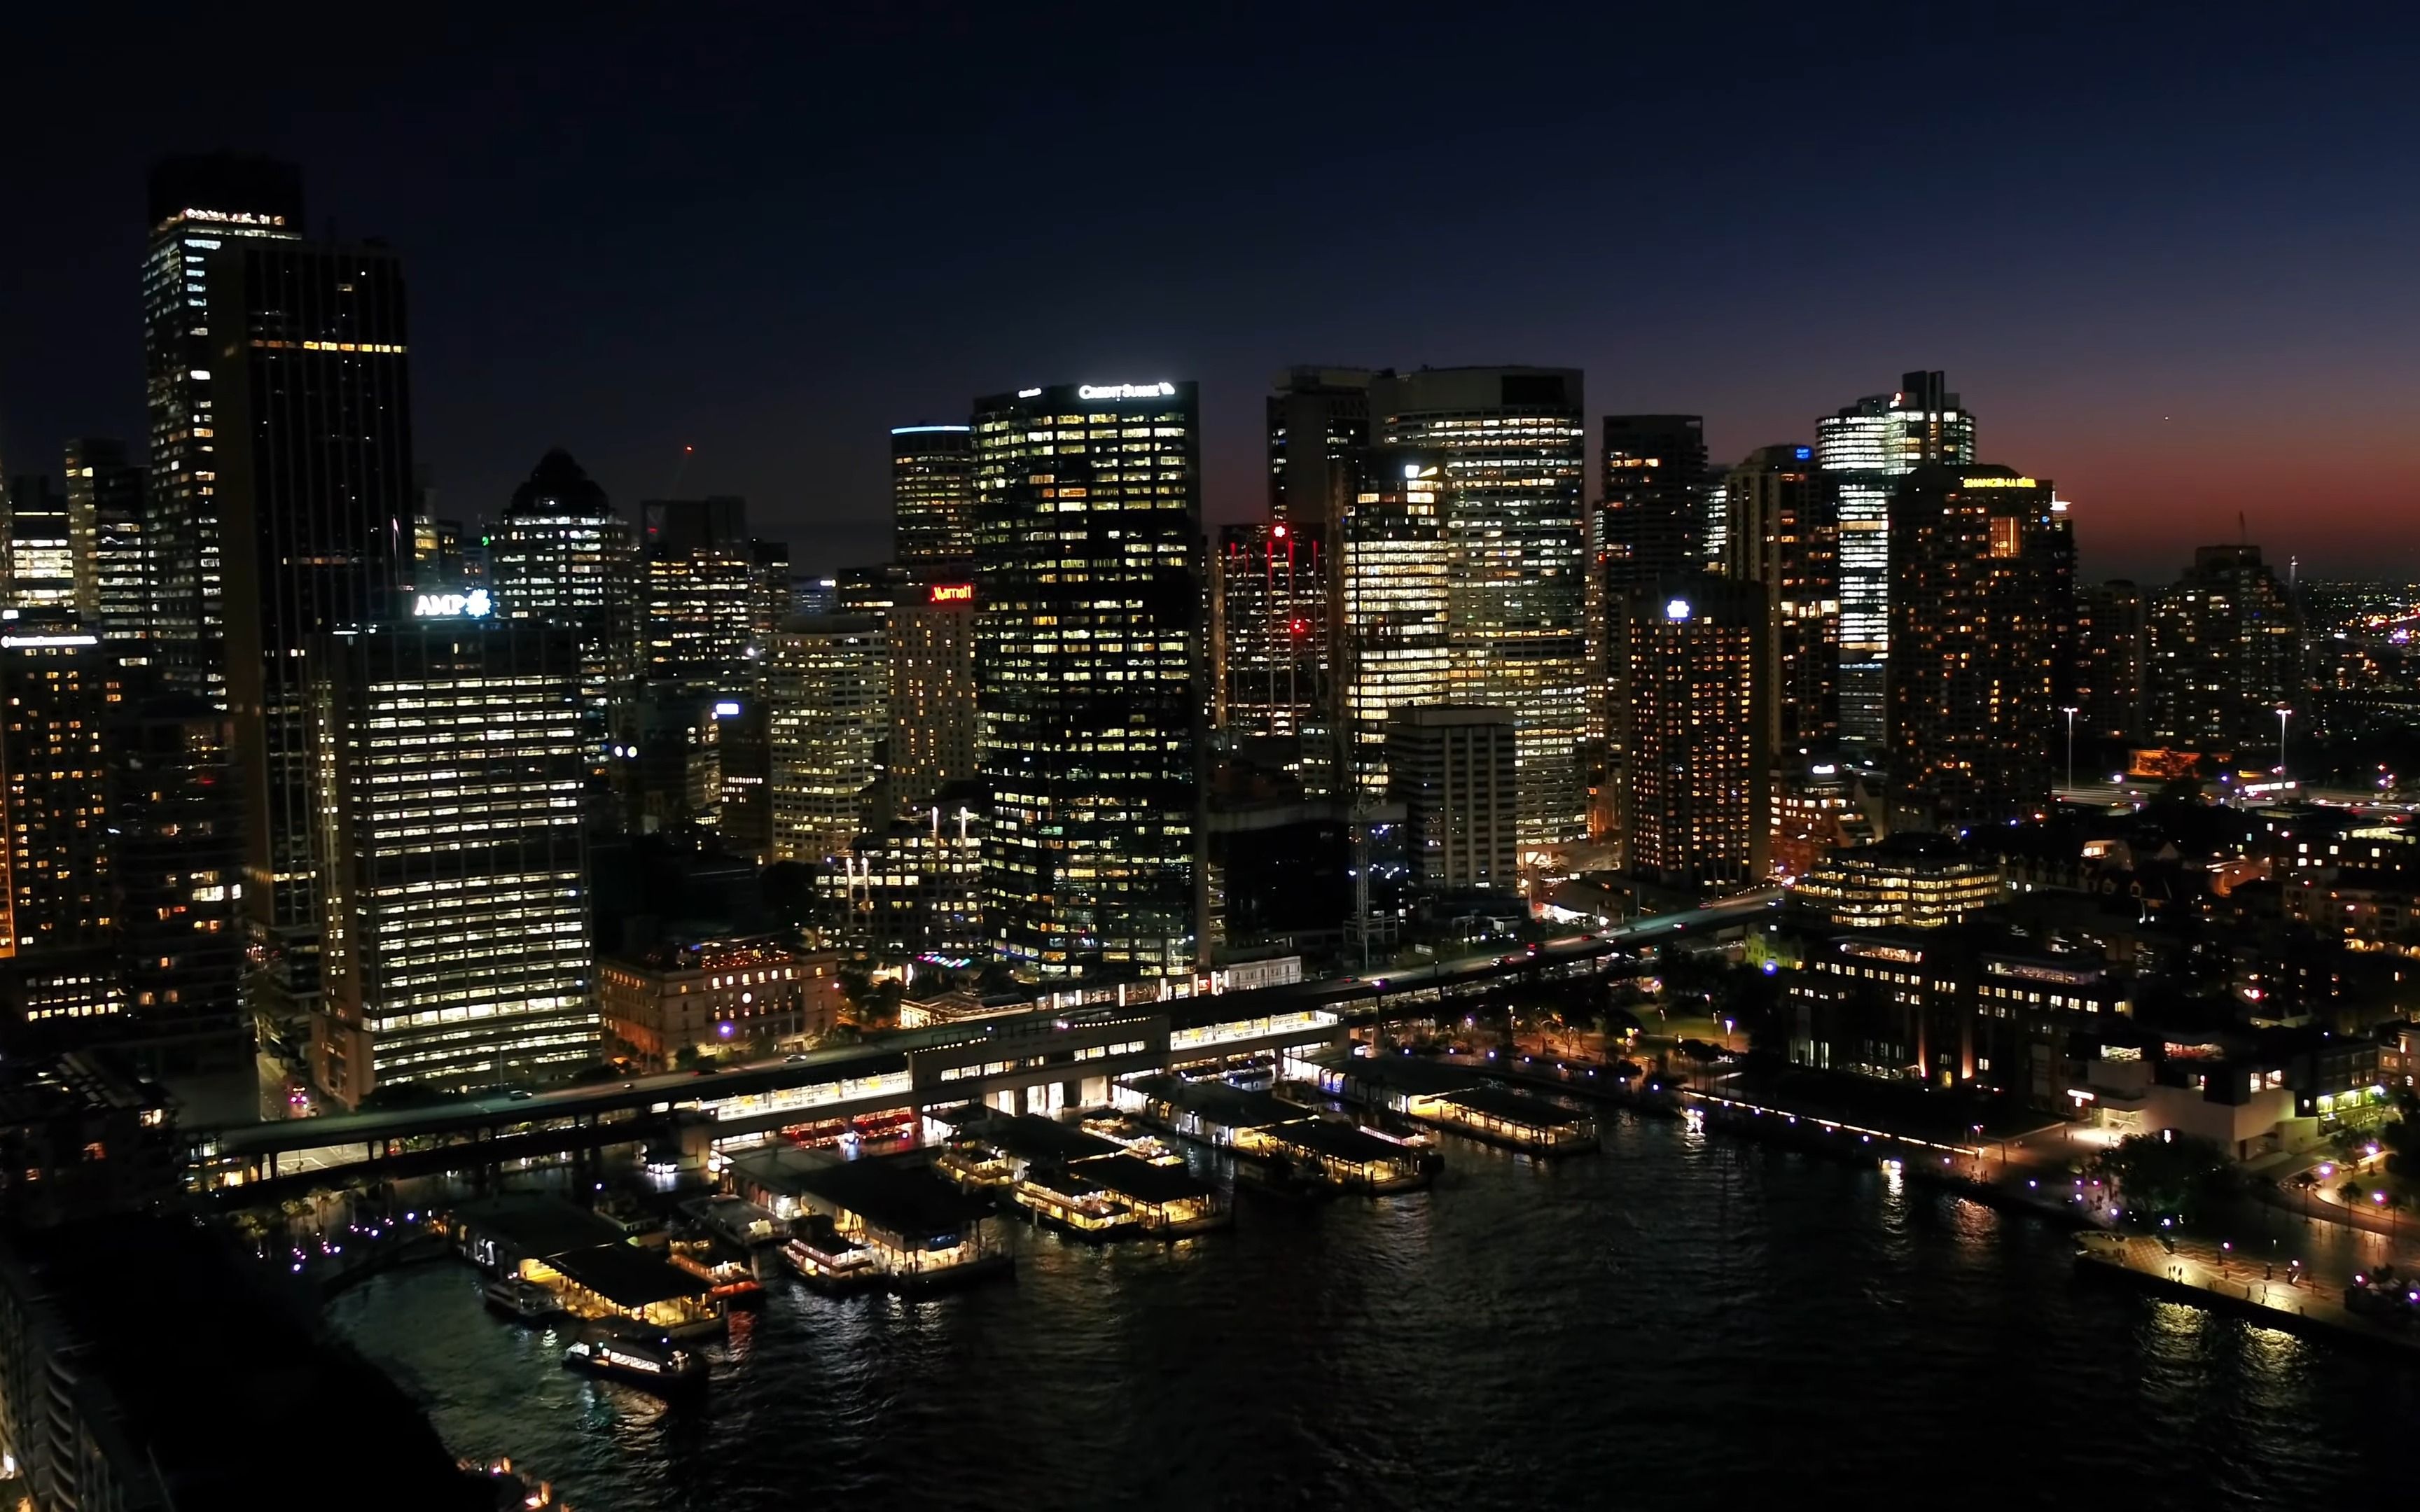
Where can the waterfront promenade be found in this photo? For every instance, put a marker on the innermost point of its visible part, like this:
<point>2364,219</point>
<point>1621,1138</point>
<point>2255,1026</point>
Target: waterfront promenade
<point>2201,1272</point>
<point>2297,1283</point>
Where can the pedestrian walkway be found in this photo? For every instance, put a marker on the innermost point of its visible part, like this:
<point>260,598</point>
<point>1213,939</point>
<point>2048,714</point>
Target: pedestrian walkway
<point>2204,1271</point>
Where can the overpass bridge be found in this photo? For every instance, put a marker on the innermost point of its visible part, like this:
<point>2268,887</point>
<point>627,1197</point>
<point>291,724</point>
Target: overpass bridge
<point>1046,1058</point>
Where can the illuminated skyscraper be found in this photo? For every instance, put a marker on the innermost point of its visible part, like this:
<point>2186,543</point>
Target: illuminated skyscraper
<point>1319,437</point>
<point>561,555</point>
<point>200,206</point>
<point>1513,447</point>
<point>311,395</point>
<point>1391,647</point>
<point>58,906</point>
<point>1270,626</point>
<point>107,519</point>
<point>1696,775</point>
<point>702,593</point>
<point>1782,535</point>
<point>1089,671</point>
<point>1983,606</point>
<point>829,689</point>
<point>933,493</point>
<point>450,759</point>
<point>932,705</point>
<point>2223,654</point>
<point>37,547</point>
<point>1870,446</point>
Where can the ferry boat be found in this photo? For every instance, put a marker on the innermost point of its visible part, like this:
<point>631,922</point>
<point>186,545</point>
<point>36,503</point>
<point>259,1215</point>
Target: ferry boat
<point>523,1301</point>
<point>662,1366</point>
<point>832,1263</point>
<point>733,1280</point>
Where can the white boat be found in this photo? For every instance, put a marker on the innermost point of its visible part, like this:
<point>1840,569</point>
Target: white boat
<point>664,1366</point>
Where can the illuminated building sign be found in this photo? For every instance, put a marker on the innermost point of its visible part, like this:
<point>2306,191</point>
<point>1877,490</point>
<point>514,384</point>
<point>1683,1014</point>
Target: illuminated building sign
<point>952,594</point>
<point>1885,952</point>
<point>232,217</point>
<point>1997,483</point>
<point>726,710</point>
<point>1677,610</point>
<point>474,605</point>
<point>1127,391</point>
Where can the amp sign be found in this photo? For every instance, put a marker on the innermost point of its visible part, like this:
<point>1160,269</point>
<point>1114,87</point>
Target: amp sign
<point>474,605</point>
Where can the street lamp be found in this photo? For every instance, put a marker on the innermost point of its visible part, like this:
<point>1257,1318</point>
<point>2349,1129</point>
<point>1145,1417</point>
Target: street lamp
<point>2069,709</point>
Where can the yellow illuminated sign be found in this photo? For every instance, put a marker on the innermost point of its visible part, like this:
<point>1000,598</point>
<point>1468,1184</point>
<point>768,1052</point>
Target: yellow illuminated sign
<point>1997,483</point>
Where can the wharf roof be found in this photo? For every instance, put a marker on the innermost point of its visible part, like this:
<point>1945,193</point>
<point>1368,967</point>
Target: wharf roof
<point>1406,1074</point>
<point>1140,1180</point>
<point>1218,1102</point>
<point>627,1277</point>
<point>537,1226</point>
<point>897,1193</point>
<point>1338,1141</point>
<point>1032,1137</point>
<point>1515,1108</point>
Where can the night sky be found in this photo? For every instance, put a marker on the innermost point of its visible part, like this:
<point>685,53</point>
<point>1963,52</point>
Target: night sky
<point>2168,258</point>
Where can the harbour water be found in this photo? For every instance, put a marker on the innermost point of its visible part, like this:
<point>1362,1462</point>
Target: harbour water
<point>1682,1321</point>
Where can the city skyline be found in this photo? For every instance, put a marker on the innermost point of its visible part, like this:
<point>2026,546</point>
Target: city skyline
<point>781,312</point>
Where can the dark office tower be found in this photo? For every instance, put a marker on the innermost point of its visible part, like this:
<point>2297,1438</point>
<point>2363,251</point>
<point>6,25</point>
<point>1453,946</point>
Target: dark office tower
<point>450,755</point>
<point>933,493</point>
<point>1452,767</point>
<point>58,692</point>
<point>107,520</point>
<point>700,597</point>
<point>1513,444</point>
<point>1870,446</point>
<point>1652,524</point>
<point>1783,535</point>
<point>1696,771</point>
<point>2223,654</point>
<point>1392,651</point>
<point>1319,437</point>
<point>743,811</point>
<point>1089,668</point>
<point>1982,601</point>
<point>769,564</point>
<point>1269,629</point>
<point>2111,633</point>
<point>200,208</point>
<point>37,548</point>
<point>932,696</point>
<point>175,826</point>
<point>562,556</point>
<point>312,405</point>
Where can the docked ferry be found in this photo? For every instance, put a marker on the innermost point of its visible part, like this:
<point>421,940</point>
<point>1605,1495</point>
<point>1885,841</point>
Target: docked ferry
<point>523,1301</point>
<point>660,1365</point>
